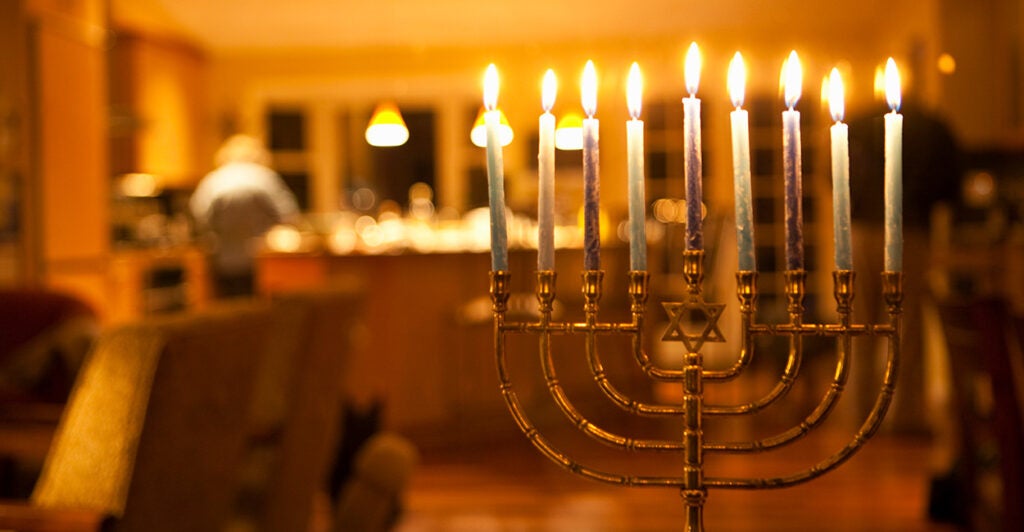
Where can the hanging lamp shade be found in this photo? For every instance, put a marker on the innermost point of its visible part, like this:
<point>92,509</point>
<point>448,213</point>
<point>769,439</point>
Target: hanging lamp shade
<point>479,133</point>
<point>569,133</point>
<point>386,127</point>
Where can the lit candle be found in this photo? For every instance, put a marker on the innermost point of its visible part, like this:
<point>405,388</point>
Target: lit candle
<point>791,164</point>
<point>893,171</point>
<point>840,174</point>
<point>591,172</point>
<point>741,165</point>
<point>495,172</point>
<point>635,155</point>
<point>691,149</point>
<point>546,181</point>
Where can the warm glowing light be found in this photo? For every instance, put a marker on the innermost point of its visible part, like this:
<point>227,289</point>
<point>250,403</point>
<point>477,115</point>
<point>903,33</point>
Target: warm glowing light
<point>634,91</point>
<point>491,87</point>
<point>588,89</point>
<point>284,239</point>
<point>737,80</point>
<point>387,128</point>
<point>892,85</point>
<point>478,135</point>
<point>836,95</point>
<point>824,90</point>
<point>140,185</point>
<point>946,64</point>
<point>691,69</point>
<point>569,133</point>
<point>879,83</point>
<point>549,88</point>
<point>792,79</point>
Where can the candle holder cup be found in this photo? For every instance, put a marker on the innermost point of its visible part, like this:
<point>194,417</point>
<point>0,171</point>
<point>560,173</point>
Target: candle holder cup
<point>693,482</point>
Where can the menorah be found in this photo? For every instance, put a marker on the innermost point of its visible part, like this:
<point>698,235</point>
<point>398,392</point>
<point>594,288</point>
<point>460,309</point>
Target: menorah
<point>695,333</point>
<point>693,483</point>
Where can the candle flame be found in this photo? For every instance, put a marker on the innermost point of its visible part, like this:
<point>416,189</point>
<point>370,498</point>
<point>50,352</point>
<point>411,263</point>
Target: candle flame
<point>549,88</point>
<point>491,87</point>
<point>588,92</point>
<point>737,80</point>
<point>634,90</point>
<point>892,85</point>
<point>836,95</point>
<point>691,69</point>
<point>792,79</point>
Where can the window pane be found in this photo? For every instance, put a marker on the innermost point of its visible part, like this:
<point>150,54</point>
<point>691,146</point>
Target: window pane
<point>287,129</point>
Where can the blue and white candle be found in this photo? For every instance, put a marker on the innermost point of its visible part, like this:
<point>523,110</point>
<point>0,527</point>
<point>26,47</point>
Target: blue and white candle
<point>840,174</point>
<point>635,162</point>
<point>791,164</point>
<point>741,165</point>
<point>692,151</point>
<point>495,172</point>
<point>591,172</point>
<point>893,171</point>
<point>546,176</point>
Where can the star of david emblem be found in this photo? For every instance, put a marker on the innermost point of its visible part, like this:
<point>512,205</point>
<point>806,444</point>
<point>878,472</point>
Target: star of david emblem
<point>693,314</point>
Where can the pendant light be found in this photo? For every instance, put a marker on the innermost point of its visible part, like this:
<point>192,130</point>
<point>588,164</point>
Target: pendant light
<point>569,133</point>
<point>387,129</point>
<point>479,133</point>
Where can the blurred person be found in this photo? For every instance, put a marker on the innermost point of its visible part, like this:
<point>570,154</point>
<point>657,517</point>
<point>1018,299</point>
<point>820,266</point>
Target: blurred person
<point>931,177</point>
<point>234,205</point>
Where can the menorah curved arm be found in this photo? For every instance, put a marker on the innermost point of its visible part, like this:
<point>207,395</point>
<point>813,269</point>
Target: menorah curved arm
<point>557,456</point>
<point>781,388</point>
<point>866,431</point>
<point>618,398</point>
<point>892,287</point>
<point>638,295</point>
<point>746,292</point>
<point>499,299</point>
<point>638,291</point>
<point>812,420</point>
<point>585,426</point>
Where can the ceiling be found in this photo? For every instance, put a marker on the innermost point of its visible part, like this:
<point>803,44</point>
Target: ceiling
<point>223,25</point>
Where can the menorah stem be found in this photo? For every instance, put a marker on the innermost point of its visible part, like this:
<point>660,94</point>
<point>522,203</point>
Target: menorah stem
<point>694,492</point>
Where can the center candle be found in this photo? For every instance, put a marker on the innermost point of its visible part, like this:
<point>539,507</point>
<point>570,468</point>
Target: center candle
<point>791,163</point>
<point>546,176</point>
<point>591,172</point>
<point>692,151</point>
<point>635,160</point>
<point>741,165</point>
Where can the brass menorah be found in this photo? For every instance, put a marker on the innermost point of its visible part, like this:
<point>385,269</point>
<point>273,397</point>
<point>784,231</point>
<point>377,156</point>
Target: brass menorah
<point>693,483</point>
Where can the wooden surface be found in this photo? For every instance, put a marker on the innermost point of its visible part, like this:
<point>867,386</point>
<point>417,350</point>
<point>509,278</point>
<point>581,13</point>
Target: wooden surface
<point>510,486</point>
